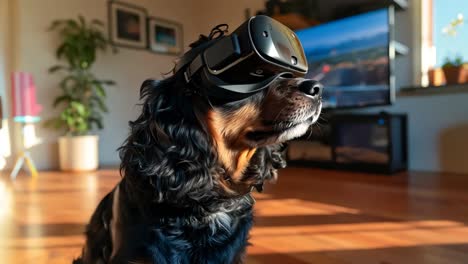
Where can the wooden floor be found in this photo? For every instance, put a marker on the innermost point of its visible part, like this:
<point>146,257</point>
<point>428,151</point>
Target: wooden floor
<point>309,216</point>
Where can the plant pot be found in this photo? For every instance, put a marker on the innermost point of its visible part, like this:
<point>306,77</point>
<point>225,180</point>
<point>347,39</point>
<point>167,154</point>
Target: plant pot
<point>454,75</point>
<point>465,68</point>
<point>78,153</point>
<point>436,77</point>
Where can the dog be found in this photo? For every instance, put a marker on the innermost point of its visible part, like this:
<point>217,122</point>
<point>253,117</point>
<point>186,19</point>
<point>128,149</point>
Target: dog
<point>189,167</point>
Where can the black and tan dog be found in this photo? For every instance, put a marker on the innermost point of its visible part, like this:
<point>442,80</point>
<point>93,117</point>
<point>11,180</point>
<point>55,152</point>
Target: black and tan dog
<point>188,169</point>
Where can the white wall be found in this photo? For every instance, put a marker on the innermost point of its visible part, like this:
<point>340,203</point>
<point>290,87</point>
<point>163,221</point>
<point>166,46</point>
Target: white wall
<point>3,73</point>
<point>219,12</point>
<point>3,48</point>
<point>438,125</point>
<point>438,131</point>
<point>5,61</point>
<point>34,52</point>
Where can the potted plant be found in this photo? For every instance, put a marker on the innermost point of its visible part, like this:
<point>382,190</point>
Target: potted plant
<point>436,77</point>
<point>454,70</point>
<point>82,94</point>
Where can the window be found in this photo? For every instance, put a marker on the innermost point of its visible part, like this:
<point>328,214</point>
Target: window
<point>444,42</point>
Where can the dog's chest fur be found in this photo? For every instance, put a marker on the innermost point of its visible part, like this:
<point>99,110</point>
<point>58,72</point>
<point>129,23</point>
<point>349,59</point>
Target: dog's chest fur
<point>219,237</point>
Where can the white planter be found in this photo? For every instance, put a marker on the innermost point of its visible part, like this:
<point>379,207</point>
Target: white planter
<point>78,153</point>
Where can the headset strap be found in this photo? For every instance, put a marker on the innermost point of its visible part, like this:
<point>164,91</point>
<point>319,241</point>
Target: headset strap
<point>193,57</point>
<point>194,67</point>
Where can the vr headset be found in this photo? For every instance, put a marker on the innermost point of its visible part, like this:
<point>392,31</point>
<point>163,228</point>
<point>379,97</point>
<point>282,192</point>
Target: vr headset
<point>238,65</point>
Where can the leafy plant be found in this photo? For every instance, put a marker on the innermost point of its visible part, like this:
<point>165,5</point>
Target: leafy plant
<point>83,95</point>
<point>456,62</point>
<point>451,30</point>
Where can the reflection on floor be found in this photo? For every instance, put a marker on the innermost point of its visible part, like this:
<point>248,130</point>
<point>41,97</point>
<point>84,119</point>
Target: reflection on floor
<point>309,216</point>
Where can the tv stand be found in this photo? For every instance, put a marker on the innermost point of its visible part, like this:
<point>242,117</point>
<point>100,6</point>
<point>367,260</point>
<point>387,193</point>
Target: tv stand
<point>361,142</point>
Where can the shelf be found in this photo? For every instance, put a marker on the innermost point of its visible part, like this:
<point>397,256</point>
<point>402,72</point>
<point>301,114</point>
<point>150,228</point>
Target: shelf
<point>434,90</point>
<point>295,21</point>
<point>399,4</point>
<point>300,13</point>
<point>400,49</point>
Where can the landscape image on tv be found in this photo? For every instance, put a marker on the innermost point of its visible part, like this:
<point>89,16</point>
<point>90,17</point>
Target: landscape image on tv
<point>350,57</point>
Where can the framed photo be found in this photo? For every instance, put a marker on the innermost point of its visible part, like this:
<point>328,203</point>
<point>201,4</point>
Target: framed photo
<point>127,25</point>
<point>165,36</point>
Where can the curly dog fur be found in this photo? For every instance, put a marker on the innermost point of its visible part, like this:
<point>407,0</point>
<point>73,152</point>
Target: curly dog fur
<point>188,169</point>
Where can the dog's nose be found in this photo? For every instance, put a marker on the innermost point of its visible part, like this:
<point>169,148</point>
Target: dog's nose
<point>311,88</point>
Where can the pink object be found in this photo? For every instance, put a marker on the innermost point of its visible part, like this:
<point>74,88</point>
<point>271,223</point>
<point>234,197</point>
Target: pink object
<point>23,91</point>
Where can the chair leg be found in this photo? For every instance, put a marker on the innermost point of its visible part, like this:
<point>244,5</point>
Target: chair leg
<point>31,165</point>
<point>19,163</point>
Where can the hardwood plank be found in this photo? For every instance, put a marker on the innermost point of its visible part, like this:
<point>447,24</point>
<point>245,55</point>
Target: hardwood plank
<point>309,216</point>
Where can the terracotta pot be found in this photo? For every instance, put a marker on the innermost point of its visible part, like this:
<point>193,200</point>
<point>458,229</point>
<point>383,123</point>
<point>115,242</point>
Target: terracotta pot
<point>436,77</point>
<point>78,153</point>
<point>455,75</point>
<point>465,67</point>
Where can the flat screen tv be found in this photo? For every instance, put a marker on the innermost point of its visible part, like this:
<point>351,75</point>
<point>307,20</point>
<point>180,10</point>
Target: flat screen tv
<point>352,58</point>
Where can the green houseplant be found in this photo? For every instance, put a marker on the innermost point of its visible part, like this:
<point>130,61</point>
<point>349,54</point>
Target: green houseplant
<point>82,97</point>
<point>454,70</point>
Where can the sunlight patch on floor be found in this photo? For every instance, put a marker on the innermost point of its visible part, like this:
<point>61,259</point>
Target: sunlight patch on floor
<point>354,227</point>
<point>358,237</point>
<point>37,242</point>
<point>5,201</point>
<point>295,207</point>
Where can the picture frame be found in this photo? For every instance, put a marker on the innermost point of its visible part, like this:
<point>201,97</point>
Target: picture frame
<point>127,25</point>
<point>164,36</point>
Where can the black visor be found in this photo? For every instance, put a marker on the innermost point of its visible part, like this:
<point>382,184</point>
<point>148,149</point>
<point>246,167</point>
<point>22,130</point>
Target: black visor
<point>246,61</point>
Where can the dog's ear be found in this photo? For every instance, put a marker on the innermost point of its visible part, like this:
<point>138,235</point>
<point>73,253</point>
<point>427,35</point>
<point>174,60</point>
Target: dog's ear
<point>167,149</point>
<point>264,165</point>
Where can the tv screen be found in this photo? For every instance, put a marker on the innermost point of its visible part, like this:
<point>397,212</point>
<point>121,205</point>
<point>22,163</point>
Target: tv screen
<point>350,57</point>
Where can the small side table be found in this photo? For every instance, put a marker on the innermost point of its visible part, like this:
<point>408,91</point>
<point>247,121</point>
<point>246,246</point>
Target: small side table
<point>24,156</point>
